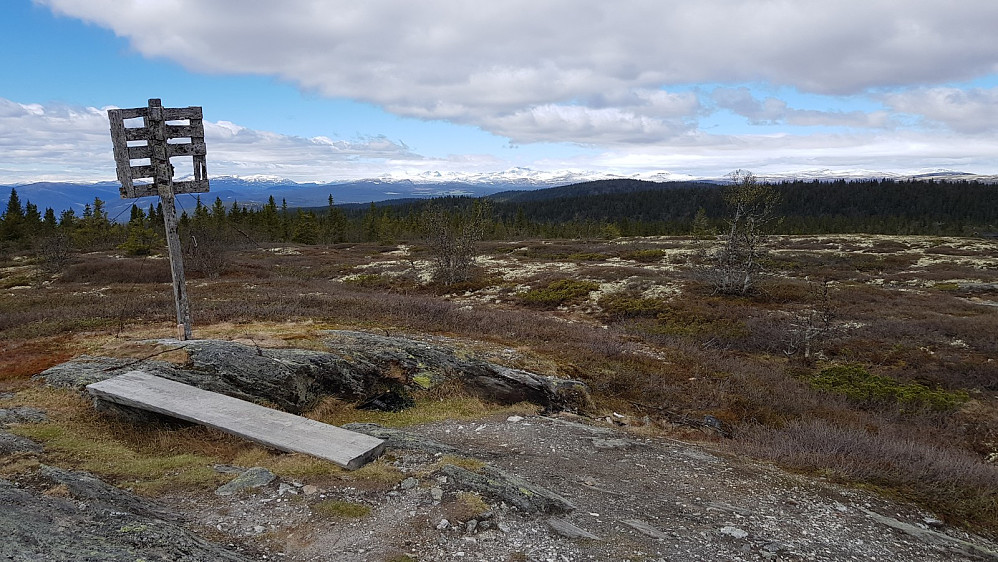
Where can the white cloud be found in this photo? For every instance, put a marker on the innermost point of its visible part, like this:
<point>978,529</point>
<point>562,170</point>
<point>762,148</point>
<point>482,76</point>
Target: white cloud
<point>771,111</point>
<point>973,111</point>
<point>74,143</point>
<point>519,67</point>
<point>56,142</point>
<point>901,153</point>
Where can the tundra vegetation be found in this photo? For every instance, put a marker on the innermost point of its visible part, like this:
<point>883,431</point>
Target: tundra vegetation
<point>869,358</point>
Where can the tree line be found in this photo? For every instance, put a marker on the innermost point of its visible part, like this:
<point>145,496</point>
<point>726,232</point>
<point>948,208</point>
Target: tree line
<point>597,211</point>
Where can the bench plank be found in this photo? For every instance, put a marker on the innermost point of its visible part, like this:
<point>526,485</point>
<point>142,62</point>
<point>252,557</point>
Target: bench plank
<point>273,428</point>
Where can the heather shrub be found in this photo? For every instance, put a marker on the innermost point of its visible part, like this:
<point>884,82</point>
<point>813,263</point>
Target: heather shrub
<point>860,385</point>
<point>644,256</point>
<point>557,293</point>
<point>952,482</point>
<point>630,305</point>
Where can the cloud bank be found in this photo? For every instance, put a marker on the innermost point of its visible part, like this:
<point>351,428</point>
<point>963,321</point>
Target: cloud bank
<point>60,142</point>
<point>584,71</point>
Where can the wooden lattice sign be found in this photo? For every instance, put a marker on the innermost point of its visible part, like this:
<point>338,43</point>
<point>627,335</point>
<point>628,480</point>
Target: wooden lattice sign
<point>151,142</point>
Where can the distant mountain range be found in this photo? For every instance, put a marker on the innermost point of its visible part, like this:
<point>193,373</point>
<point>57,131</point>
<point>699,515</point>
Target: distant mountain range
<point>515,183</point>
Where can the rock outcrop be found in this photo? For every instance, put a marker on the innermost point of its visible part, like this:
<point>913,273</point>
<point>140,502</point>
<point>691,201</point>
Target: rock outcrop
<point>357,367</point>
<point>83,518</point>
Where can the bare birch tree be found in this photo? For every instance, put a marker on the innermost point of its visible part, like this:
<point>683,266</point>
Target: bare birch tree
<point>734,267</point>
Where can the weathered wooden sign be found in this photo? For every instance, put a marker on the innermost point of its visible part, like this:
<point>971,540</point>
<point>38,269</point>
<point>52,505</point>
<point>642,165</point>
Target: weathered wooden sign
<point>151,142</point>
<point>150,145</point>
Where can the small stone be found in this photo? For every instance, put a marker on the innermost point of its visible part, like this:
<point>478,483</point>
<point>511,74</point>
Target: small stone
<point>286,489</point>
<point>734,532</point>
<point>485,525</point>
<point>259,529</point>
<point>309,490</point>
<point>772,547</point>
<point>932,522</point>
<point>437,494</point>
<point>255,477</point>
<point>470,526</point>
<point>443,524</point>
<point>409,483</point>
<point>503,527</point>
<point>486,515</point>
<point>514,419</point>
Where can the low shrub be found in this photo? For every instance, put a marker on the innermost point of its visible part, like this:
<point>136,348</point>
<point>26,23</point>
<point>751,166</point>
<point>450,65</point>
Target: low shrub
<point>587,256</point>
<point>629,305</point>
<point>107,270</point>
<point>951,482</point>
<point>557,293</point>
<point>860,385</point>
<point>644,256</point>
<point>700,319</point>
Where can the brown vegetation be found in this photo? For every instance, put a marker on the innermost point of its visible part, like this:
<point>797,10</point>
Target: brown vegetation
<point>627,317</point>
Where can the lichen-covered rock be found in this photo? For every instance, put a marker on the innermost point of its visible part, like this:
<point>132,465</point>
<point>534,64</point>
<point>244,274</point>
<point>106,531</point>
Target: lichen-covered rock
<point>398,439</point>
<point>21,414</point>
<point>357,367</point>
<point>255,477</point>
<point>10,444</point>
<point>509,488</point>
<point>424,365</point>
<point>293,380</point>
<point>97,522</point>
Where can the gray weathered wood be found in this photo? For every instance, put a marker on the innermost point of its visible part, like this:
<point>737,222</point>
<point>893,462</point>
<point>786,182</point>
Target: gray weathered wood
<point>163,176</point>
<point>159,126</point>
<point>273,428</point>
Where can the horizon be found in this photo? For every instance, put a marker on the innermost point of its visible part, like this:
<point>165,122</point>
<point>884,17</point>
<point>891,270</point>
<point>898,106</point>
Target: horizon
<point>329,94</point>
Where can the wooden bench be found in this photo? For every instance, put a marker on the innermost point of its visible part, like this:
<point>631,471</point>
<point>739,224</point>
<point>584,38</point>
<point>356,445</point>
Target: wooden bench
<point>273,428</point>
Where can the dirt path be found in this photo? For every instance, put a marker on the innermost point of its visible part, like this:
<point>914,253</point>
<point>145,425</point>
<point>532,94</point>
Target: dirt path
<point>635,499</point>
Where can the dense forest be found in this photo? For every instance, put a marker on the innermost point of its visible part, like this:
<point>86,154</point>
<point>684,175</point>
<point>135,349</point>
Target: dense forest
<point>601,209</point>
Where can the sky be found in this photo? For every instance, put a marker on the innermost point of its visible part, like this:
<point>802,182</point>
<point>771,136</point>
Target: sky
<point>336,90</point>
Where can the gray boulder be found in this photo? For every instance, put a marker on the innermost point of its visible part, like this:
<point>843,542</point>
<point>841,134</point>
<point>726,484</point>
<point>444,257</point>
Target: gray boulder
<point>358,366</point>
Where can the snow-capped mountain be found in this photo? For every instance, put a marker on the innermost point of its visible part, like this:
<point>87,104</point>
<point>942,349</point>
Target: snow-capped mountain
<point>256,190</point>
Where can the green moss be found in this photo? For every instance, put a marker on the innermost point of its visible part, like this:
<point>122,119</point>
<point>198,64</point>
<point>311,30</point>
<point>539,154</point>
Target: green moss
<point>474,465</point>
<point>423,381</point>
<point>858,384</point>
<point>556,293</point>
<point>336,508</point>
<point>946,286</point>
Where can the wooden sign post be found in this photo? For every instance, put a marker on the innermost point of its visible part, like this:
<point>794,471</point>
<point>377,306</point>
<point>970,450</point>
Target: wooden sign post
<point>150,142</point>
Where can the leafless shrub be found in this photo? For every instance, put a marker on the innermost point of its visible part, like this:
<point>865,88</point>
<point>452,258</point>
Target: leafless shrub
<point>733,267</point>
<point>809,324</point>
<point>452,239</point>
<point>54,253</point>
<point>205,250</point>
